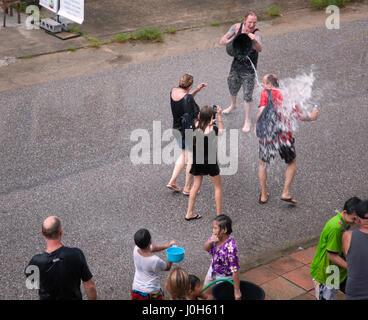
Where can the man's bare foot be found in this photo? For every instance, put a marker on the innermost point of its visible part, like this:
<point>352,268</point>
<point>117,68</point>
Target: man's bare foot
<point>246,127</point>
<point>228,110</point>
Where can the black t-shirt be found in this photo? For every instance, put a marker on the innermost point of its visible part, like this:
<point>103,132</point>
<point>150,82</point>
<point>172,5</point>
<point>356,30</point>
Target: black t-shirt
<point>178,108</point>
<point>61,273</point>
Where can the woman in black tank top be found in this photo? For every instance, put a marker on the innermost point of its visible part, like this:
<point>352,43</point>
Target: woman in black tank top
<point>182,102</point>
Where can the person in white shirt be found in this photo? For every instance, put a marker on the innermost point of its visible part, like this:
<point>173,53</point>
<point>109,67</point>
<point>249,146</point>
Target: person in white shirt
<point>146,283</point>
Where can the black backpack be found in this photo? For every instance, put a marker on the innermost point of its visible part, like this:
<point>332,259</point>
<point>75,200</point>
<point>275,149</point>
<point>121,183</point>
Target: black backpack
<point>268,125</point>
<point>187,118</point>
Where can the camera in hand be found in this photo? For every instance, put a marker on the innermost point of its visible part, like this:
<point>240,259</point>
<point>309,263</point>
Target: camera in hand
<point>214,110</point>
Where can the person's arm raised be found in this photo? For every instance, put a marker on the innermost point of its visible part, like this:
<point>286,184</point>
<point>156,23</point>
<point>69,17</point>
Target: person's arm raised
<point>160,247</point>
<point>199,88</point>
<point>220,125</point>
<point>228,36</point>
<point>209,244</point>
<point>257,41</point>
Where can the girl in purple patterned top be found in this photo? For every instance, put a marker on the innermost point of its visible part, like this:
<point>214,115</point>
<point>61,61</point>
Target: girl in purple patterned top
<point>223,251</point>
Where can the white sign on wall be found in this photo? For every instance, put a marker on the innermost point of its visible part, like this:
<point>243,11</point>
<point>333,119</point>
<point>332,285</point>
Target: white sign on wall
<point>72,10</point>
<point>51,5</point>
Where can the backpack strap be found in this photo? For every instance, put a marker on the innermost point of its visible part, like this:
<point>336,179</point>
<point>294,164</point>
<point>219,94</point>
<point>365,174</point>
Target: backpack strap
<point>240,28</point>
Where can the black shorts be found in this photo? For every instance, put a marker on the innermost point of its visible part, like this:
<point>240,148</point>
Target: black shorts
<point>205,170</point>
<point>267,151</point>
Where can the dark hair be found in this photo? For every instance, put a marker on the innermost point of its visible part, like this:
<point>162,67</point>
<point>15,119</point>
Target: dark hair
<point>362,209</point>
<point>193,281</point>
<point>52,232</point>
<point>224,222</point>
<point>350,205</point>
<point>272,78</point>
<point>142,238</point>
<point>206,114</point>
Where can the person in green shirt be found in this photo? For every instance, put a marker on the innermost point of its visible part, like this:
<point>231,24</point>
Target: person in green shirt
<point>329,258</point>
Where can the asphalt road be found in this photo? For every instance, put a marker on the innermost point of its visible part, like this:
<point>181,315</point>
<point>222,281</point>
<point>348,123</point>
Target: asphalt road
<point>65,150</point>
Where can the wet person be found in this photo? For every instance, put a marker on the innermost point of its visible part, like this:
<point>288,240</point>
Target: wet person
<point>355,247</point>
<point>146,283</point>
<point>224,254</point>
<point>330,252</point>
<point>242,73</point>
<point>206,131</point>
<point>280,139</point>
<point>183,105</point>
<point>61,269</point>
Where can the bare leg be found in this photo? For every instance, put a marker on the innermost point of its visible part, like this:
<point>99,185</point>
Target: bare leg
<point>262,177</point>
<point>193,195</point>
<point>247,107</point>
<point>188,175</point>
<point>289,176</point>
<point>232,105</point>
<point>216,180</point>
<point>178,168</point>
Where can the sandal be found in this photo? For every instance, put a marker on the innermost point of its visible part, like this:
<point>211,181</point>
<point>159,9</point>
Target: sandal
<point>291,200</point>
<point>196,217</point>
<point>173,187</point>
<point>187,193</point>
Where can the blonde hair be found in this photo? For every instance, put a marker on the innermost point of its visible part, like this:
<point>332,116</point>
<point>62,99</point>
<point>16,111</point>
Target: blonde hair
<point>185,81</point>
<point>178,284</point>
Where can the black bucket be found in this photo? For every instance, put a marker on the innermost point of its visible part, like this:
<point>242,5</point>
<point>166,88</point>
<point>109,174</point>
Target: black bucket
<point>250,291</point>
<point>241,45</point>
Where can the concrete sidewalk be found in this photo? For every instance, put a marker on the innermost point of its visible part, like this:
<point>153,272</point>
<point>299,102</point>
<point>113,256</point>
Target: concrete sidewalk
<point>286,278</point>
<point>108,18</point>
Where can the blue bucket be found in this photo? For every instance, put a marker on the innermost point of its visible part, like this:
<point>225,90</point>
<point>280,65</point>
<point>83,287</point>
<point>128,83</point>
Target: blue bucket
<point>175,254</point>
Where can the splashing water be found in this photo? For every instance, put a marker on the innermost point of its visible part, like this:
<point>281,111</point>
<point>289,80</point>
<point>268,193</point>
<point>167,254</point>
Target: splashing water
<point>296,92</point>
<point>255,71</point>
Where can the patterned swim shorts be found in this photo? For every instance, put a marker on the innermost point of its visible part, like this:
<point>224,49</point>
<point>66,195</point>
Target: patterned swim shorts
<point>236,80</point>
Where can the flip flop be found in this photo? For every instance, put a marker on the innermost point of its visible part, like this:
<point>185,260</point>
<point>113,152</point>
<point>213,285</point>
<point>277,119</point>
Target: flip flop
<point>186,193</point>
<point>196,217</point>
<point>291,200</point>
<point>173,187</point>
<point>263,202</point>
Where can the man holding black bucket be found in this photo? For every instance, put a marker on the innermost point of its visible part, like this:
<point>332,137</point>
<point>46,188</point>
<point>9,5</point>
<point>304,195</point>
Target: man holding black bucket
<point>245,51</point>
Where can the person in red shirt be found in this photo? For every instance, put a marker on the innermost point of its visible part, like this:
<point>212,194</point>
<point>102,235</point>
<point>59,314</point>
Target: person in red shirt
<point>284,143</point>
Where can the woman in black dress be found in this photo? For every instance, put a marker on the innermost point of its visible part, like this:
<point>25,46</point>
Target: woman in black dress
<point>182,100</point>
<point>205,157</point>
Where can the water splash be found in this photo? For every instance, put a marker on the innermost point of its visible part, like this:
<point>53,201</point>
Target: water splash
<point>255,71</point>
<point>298,92</point>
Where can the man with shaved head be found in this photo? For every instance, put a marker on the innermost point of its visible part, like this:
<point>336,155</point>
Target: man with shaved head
<point>61,268</point>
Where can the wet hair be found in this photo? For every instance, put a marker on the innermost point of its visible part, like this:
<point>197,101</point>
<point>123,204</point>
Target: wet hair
<point>178,284</point>
<point>272,78</point>
<point>142,238</point>
<point>350,205</point>
<point>193,281</point>
<point>224,222</point>
<point>362,209</point>
<point>206,114</point>
<point>53,231</point>
<point>185,81</point>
